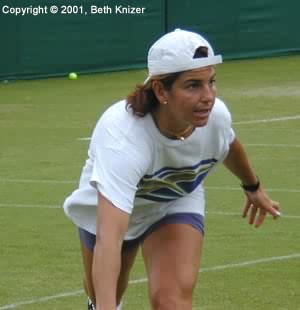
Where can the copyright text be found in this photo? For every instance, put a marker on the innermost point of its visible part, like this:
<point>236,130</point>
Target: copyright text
<point>72,9</point>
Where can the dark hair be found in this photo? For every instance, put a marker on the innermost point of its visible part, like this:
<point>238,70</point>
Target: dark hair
<point>143,99</point>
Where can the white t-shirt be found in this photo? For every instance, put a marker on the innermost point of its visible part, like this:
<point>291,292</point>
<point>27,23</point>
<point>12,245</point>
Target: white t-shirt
<point>145,173</point>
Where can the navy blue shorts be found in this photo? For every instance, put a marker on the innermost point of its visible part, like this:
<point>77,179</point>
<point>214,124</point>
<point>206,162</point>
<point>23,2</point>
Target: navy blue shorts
<point>193,219</point>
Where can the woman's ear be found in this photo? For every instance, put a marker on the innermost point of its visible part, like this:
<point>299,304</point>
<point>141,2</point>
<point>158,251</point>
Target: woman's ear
<point>160,92</point>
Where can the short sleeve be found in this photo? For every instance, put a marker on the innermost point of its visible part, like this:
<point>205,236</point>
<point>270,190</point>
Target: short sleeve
<point>224,122</point>
<point>118,166</point>
<point>115,175</point>
<point>228,130</point>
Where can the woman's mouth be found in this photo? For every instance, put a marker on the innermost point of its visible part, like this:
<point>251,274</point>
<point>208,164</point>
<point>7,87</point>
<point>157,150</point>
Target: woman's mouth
<point>201,113</point>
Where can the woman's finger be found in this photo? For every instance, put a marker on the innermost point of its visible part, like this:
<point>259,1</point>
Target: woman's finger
<point>253,212</point>
<point>261,217</point>
<point>273,209</point>
<point>246,208</point>
<point>276,210</point>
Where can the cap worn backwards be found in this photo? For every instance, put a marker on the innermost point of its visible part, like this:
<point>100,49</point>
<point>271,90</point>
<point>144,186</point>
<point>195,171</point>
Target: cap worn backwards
<point>175,52</point>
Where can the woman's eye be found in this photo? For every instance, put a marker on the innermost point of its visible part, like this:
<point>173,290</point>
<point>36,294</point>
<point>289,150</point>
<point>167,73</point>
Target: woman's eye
<point>212,81</point>
<point>193,85</point>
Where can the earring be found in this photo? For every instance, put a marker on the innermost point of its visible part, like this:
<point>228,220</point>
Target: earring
<point>165,102</point>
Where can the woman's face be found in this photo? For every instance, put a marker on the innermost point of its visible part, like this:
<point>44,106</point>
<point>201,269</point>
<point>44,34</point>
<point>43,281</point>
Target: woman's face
<point>192,96</point>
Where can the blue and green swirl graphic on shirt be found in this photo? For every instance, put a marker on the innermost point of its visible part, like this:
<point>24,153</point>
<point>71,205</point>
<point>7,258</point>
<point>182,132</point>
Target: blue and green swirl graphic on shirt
<point>169,183</point>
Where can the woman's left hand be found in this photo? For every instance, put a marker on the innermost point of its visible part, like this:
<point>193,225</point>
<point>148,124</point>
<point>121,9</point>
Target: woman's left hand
<point>258,205</point>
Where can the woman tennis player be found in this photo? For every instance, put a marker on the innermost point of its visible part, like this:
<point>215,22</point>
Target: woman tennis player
<point>141,185</point>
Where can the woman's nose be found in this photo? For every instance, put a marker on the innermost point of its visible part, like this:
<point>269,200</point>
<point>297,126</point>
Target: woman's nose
<point>208,94</point>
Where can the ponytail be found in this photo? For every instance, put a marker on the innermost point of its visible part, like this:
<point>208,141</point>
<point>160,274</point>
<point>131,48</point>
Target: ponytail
<point>143,99</point>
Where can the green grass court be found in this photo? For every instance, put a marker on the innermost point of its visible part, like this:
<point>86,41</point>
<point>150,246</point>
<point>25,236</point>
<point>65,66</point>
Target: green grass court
<point>41,155</point>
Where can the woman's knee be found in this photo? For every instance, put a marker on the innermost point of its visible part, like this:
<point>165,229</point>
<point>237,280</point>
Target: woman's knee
<point>171,298</point>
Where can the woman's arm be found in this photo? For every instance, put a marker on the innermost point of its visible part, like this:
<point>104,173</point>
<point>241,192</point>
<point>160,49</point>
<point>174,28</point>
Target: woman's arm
<point>256,201</point>
<point>112,224</point>
<point>237,162</point>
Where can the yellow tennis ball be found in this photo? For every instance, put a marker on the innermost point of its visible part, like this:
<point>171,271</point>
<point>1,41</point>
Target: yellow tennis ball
<point>73,76</point>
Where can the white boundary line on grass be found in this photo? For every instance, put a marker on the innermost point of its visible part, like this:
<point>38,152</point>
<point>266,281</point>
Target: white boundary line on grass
<point>257,121</point>
<point>288,216</point>
<point>3,180</point>
<point>235,265</point>
<point>84,139</point>
<point>15,205</point>
<point>228,188</point>
<point>40,300</point>
<point>272,145</point>
<point>144,280</point>
<point>268,120</point>
<point>7,205</point>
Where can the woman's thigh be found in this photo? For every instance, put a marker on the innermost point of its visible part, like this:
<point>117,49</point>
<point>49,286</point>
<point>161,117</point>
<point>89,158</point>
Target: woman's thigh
<point>172,257</point>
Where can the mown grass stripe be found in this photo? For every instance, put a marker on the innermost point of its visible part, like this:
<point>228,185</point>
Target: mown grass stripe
<point>144,280</point>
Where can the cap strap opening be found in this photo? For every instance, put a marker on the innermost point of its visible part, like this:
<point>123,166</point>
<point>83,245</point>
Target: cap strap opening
<point>200,52</point>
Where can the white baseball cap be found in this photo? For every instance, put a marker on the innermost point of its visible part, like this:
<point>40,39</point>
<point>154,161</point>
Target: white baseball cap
<point>174,52</point>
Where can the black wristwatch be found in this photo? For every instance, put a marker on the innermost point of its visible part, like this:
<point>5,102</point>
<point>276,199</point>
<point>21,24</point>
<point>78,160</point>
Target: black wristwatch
<point>252,187</point>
